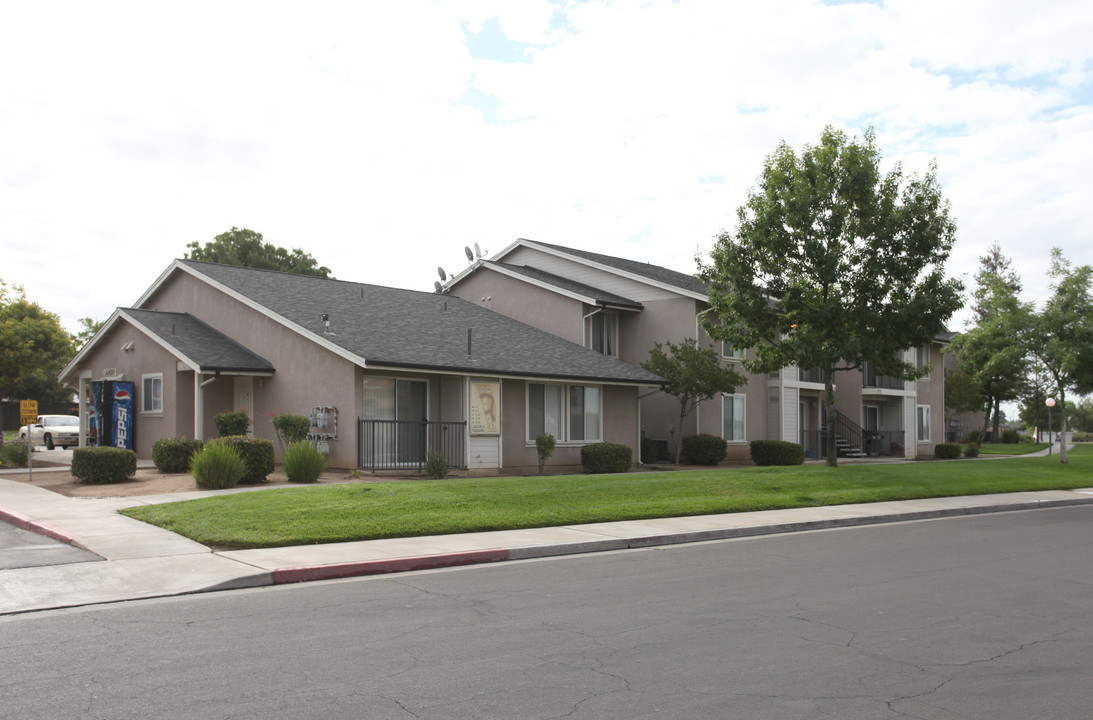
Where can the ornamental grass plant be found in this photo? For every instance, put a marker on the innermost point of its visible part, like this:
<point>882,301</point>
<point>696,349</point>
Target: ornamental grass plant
<point>217,466</point>
<point>304,463</point>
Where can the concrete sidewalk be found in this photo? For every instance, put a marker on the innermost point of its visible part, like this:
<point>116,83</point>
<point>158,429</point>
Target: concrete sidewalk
<point>142,561</point>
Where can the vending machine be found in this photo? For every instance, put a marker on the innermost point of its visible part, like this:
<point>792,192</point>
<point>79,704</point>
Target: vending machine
<point>111,413</point>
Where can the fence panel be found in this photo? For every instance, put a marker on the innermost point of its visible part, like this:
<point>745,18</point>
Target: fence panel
<point>406,444</point>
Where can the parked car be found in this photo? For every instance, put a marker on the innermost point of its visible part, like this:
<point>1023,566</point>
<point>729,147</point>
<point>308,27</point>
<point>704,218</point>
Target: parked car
<point>53,431</point>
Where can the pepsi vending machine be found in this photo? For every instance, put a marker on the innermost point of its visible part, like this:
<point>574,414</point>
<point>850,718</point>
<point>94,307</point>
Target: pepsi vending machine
<point>112,412</point>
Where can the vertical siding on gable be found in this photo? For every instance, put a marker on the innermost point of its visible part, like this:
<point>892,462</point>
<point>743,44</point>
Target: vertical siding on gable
<point>582,273</point>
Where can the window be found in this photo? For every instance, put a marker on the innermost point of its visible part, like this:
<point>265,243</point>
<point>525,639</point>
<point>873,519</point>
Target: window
<point>922,423</point>
<point>571,413</point>
<point>151,402</point>
<point>728,351</point>
<point>732,418</point>
<point>605,333</point>
<point>922,361</point>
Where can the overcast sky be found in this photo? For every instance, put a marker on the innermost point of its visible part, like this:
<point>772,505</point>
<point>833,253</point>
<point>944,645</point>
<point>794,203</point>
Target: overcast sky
<point>383,137</point>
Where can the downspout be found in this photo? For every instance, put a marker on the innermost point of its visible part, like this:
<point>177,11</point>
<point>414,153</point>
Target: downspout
<point>640,398</point>
<point>199,404</point>
<point>584,325</point>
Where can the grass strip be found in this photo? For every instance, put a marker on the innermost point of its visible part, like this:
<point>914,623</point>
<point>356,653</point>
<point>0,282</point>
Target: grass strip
<point>367,511</point>
<point>1013,448</point>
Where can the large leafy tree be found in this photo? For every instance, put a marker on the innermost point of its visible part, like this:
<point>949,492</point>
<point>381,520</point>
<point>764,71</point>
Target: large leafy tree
<point>834,264</point>
<point>962,395</point>
<point>247,248</point>
<point>1060,335</point>
<point>33,349</point>
<point>990,352</point>
<point>694,374</point>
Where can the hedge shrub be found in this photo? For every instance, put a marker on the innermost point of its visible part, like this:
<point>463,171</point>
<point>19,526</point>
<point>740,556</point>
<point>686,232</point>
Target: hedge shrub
<point>776,452</point>
<point>101,465</point>
<point>946,451</point>
<point>304,462</point>
<point>217,466</point>
<point>172,455</point>
<point>1011,437</point>
<point>291,428</point>
<point>605,458</point>
<point>257,453</point>
<point>14,453</point>
<point>972,450</point>
<point>231,423</point>
<point>703,449</point>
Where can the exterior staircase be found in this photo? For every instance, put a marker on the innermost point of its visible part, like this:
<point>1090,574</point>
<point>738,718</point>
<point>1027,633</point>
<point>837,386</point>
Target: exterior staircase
<point>848,437</point>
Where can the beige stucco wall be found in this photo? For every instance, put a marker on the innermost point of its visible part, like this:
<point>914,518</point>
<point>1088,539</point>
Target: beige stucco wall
<point>931,391</point>
<point>544,309</point>
<point>146,357</point>
<point>306,374</point>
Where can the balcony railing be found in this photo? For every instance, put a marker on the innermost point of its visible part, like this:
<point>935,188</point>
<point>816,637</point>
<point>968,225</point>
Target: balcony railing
<point>812,375</point>
<point>870,379</point>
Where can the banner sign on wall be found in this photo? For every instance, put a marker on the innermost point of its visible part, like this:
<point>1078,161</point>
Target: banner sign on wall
<point>485,408</point>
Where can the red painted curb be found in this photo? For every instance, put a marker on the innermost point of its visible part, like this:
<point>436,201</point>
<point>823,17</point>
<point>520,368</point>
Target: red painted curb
<point>25,523</point>
<point>379,567</point>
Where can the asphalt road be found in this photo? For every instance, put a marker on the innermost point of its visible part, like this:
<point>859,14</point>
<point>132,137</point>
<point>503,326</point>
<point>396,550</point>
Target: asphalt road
<point>975,617</point>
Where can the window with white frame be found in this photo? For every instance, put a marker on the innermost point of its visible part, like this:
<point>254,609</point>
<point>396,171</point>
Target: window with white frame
<point>922,361</point>
<point>151,396</point>
<point>922,423</point>
<point>605,333</point>
<point>732,417</point>
<point>728,351</point>
<point>571,413</point>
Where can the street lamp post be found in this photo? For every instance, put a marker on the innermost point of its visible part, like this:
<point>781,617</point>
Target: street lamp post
<point>1050,402</point>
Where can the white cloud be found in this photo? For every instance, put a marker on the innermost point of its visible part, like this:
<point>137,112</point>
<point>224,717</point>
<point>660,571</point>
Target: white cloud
<point>133,129</point>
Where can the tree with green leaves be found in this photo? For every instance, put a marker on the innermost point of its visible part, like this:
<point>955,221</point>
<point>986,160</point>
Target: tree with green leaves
<point>962,395</point>
<point>694,374</point>
<point>988,352</point>
<point>833,265</point>
<point>247,248</point>
<point>33,349</point>
<point>1060,335</point>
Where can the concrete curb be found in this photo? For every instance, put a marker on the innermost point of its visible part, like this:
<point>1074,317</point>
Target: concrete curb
<point>456,559</point>
<point>25,523</point>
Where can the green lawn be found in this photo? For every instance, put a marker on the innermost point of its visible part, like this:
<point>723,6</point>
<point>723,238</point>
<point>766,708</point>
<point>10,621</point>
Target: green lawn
<point>1013,448</point>
<point>364,511</point>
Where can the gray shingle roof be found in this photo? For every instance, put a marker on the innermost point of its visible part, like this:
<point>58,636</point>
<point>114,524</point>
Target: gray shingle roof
<point>647,270</point>
<point>600,296</point>
<point>211,349</point>
<point>411,329</point>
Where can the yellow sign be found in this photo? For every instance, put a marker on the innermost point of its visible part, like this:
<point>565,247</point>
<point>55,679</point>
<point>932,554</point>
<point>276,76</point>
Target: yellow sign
<point>28,412</point>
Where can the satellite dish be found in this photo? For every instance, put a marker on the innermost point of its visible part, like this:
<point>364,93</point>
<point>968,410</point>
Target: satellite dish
<point>437,286</point>
<point>477,251</point>
<point>470,255</point>
<point>443,275</point>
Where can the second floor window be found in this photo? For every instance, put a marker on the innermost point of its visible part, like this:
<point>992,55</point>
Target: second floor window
<point>605,333</point>
<point>728,351</point>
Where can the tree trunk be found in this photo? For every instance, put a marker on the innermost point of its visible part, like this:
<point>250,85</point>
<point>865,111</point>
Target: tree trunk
<point>997,420</point>
<point>1062,439</point>
<point>679,432</point>
<point>829,416</point>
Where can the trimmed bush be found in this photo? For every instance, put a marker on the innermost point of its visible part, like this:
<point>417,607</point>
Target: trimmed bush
<point>172,455</point>
<point>974,436</point>
<point>304,463</point>
<point>972,450</point>
<point>946,451</point>
<point>703,449</point>
<point>1011,437</point>
<point>776,452</point>
<point>436,466</point>
<point>605,458</point>
<point>101,465</point>
<point>544,448</point>
<point>217,466</point>
<point>257,453</point>
<point>14,453</point>
<point>291,428</point>
<point>231,423</point>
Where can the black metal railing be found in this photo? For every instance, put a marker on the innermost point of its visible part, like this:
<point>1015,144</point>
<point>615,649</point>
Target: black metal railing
<point>406,444</point>
<point>874,443</point>
<point>812,375</point>
<point>870,379</point>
